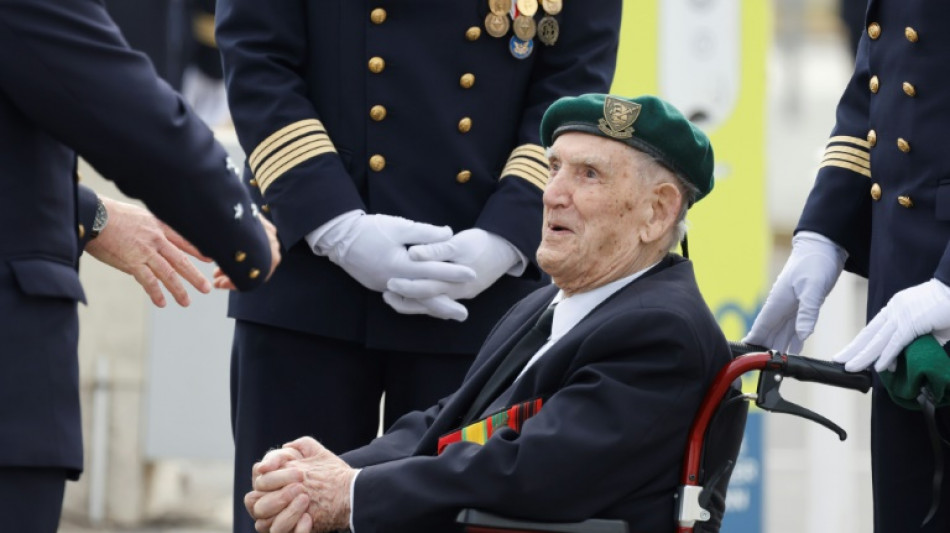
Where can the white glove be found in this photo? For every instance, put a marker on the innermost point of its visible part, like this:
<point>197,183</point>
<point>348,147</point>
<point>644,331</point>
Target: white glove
<point>910,313</point>
<point>372,249</point>
<point>791,309</point>
<point>489,255</point>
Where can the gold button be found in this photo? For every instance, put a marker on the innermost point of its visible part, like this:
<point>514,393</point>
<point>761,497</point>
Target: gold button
<point>911,34</point>
<point>905,201</point>
<point>465,125</point>
<point>376,64</point>
<point>463,176</point>
<point>874,30</point>
<point>377,163</point>
<point>82,231</point>
<point>909,89</point>
<point>253,182</point>
<point>467,80</point>
<point>875,192</point>
<point>265,208</point>
<point>240,257</point>
<point>875,84</point>
<point>903,145</point>
<point>254,273</point>
<point>872,137</point>
<point>377,113</point>
<point>378,15</point>
<point>473,33</point>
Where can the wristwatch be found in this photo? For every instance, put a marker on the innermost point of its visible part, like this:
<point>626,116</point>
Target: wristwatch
<point>102,218</point>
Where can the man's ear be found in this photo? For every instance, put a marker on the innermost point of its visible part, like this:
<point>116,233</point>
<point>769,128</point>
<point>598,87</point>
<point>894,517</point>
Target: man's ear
<point>665,207</point>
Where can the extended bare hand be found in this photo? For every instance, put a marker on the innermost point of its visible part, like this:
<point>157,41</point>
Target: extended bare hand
<point>137,243</point>
<point>299,488</point>
<point>222,281</point>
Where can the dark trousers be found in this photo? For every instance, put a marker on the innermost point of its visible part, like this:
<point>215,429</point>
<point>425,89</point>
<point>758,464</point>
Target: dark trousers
<point>31,499</point>
<point>286,384</point>
<point>902,463</point>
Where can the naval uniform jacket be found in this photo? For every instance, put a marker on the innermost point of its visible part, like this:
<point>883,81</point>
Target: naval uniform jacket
<point>68,84</point>
<point>883,194</point>
<point>883,191</point>
<point>400,107</point>
<point>620,391</point>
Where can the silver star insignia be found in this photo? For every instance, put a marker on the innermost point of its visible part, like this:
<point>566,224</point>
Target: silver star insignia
<point>238,211</point>
<point>255,211</point>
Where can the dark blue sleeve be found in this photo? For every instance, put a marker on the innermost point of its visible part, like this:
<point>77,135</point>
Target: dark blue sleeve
<point>264,46</point>
<point>65,65</point>
<point>839,206</point>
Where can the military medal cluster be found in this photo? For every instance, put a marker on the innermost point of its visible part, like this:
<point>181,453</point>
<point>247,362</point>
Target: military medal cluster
<point>519,16</point>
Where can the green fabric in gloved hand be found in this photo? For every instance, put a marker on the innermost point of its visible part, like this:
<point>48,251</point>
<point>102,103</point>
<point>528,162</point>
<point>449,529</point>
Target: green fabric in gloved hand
<point>925,364</point>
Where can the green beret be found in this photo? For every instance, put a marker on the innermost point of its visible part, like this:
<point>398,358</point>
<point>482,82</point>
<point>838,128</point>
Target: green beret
<point>924,364</point>
<point>646,123</point>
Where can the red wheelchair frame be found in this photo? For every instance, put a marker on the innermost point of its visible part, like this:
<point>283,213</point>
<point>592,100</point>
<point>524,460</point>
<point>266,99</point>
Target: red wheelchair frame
<point>693,500</point>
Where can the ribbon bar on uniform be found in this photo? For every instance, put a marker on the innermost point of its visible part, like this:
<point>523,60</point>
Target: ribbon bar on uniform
<point>479,432</point>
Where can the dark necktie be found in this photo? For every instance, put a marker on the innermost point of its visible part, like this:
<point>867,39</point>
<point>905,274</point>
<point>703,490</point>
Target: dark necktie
<point>512,364</point>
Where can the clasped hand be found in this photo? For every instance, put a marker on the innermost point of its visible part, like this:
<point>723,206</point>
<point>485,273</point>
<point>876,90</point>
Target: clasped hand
<point>428,277</point>
<point>299,488</point>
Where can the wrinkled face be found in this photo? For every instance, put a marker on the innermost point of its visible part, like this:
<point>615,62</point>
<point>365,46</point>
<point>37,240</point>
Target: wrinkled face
<point>600,215</point>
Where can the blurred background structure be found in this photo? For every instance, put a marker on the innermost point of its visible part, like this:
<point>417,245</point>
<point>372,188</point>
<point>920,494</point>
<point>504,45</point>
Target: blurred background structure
<point>155,381</point>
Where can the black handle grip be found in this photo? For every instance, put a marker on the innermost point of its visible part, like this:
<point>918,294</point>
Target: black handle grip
<point>827,372</point>
<point>739,348</point>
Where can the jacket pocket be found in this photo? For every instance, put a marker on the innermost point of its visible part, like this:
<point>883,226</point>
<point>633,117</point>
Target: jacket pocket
<point>45,278</point>
<point>942,204</point>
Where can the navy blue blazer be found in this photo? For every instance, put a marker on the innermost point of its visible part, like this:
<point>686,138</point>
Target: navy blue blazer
<point>403,108</point>
<point>68,85</point>
<point>620,389</point>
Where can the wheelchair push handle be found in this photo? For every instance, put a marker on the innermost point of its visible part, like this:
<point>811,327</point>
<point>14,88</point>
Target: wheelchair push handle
<point>827,372</point>
<point>808,369</point>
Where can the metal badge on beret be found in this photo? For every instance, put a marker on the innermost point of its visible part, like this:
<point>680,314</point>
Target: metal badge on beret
<point>552,7</point>
<point>548,30</point>
<point>619,116</point>
<point>525,27</point>
<point>500,7</point>
<point>520,49</point>
<point>497,25</point>
<point>528,7</point>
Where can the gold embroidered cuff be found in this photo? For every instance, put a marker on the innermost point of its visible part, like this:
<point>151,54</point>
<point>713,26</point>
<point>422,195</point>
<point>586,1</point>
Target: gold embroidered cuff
<point>529,163</point>
<point>286,148</point>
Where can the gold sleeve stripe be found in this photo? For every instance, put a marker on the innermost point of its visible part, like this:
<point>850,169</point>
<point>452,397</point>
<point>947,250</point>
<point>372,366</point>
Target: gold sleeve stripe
<point>529,178</point>
<point>529,173</point>
<point>530,150</point>
<point>846,165</point>
<point>296,129</point>
<point>288,151</point>
<point>851,140</point>
<point>863,163</point>
<point>202,25</point>
<point>290,159</point>
<point>838,149</point>
<point>531,167</point>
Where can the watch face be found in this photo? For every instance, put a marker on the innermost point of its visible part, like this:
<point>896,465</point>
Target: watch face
<point>102,216</point>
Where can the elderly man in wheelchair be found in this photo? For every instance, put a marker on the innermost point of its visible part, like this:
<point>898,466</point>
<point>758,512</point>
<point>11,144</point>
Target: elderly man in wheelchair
<point>580,401</point>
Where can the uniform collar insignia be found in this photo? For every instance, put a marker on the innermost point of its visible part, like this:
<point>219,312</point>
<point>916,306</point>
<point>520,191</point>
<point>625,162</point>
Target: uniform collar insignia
<point>619,116</point>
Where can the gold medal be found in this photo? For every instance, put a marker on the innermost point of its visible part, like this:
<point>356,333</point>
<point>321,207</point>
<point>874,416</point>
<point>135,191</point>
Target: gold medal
<point>528,7</point>
<point>548,30</point>
<point>525,28</point>
<point>497,25</point>
<point>500,7</point>
<point>552,7</point>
